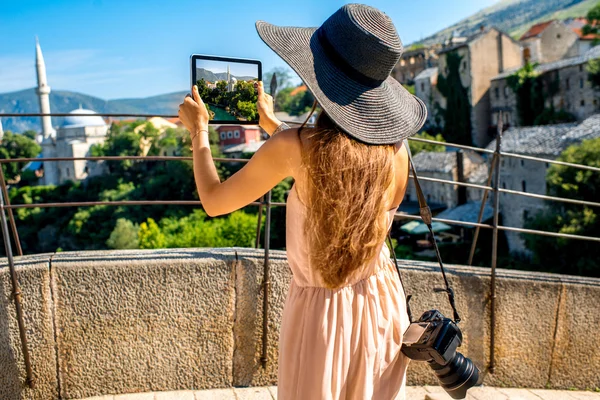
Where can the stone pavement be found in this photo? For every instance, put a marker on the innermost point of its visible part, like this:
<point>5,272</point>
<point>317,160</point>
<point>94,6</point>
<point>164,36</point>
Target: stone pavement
<point>412,393</point>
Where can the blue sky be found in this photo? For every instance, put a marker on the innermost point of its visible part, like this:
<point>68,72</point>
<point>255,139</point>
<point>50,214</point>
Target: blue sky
<point>135,48</point>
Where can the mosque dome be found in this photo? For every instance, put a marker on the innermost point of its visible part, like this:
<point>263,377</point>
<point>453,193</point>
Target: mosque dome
<point>75,120</point>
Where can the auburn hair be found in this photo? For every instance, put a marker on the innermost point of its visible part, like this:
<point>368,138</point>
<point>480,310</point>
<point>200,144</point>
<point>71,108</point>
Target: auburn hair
<point>347,184</point>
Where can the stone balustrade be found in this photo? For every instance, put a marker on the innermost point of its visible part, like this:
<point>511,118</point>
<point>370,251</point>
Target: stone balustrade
<point>110,322</point>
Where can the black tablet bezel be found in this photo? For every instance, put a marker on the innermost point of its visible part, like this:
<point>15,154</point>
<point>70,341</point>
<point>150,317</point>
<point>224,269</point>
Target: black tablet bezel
<point>195,57</point>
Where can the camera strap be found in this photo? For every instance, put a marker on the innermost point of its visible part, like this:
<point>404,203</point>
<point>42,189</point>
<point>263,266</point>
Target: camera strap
<point>425,212</point>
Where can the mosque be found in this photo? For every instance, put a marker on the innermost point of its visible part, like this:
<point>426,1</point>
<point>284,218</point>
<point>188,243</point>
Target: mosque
<point>73,138</point>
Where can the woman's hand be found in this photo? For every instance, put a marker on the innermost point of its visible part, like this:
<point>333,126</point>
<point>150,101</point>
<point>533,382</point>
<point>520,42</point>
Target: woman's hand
<point>193,113</point>
<point>267,119</point>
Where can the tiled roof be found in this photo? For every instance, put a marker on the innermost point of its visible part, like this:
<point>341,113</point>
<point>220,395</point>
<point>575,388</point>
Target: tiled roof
<point>467,212</point>
<point>427,73</point>
<point>576,25</point>
<point>443,161</point>
<point>592,53</point>
<point>430,161</point>
<point>251,147</point>
<point>536,30</point>
<point>548,140</point>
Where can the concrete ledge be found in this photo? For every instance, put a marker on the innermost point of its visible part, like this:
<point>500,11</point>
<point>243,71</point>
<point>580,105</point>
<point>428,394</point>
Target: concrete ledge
<point>188,319</point>
<point>133,321</point>
<point>33,274</point>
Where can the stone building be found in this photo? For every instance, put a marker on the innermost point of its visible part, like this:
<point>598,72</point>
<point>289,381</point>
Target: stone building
<point>529,176</point>
<point>484,55</point>
<point>446,165</point>
<point>413,62</point>
<point>230,135</point>
<point>574,93</point>
<point>549,41</point>
<point>426,90</point>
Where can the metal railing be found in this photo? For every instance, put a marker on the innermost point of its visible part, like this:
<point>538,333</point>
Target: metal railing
<point>492,185</point>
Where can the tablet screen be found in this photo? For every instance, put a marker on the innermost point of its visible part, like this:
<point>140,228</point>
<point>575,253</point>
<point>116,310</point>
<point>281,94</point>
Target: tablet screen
<point>226,85</point>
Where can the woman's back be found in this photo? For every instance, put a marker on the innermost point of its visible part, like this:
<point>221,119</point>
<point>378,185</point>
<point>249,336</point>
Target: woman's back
<point>341,343</point>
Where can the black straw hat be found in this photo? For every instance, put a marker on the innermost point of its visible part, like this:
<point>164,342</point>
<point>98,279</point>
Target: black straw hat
<point>346,63</point>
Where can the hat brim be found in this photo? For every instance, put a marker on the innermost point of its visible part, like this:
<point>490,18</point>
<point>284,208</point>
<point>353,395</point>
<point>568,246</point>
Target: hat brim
<point>384,114</point>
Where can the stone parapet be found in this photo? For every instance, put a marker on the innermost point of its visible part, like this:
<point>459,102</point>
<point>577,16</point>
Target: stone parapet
<point>115,322</point>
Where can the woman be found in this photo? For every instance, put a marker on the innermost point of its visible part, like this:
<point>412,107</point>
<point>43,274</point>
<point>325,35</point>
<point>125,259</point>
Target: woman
<point>345,311</point>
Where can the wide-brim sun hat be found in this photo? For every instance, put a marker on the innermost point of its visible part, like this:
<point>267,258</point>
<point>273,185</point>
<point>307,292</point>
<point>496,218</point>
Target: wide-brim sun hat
<point>347,63</point>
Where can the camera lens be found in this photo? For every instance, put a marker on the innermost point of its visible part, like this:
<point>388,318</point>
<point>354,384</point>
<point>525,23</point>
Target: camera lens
<point>458,376</point>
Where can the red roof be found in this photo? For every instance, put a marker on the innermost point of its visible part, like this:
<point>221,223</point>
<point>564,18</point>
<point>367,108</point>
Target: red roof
<point>577,24</point>
<point>536,30</point>
<point>299,89</point>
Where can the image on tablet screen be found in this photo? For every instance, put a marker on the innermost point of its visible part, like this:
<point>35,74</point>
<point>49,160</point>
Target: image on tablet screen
<point>227,88</point>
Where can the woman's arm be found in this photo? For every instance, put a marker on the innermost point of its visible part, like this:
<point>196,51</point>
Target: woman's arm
<point>275,160</point>
<point>268,121</point>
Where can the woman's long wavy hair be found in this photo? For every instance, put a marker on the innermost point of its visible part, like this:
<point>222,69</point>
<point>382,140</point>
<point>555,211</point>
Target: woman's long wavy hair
<point>346,198</point>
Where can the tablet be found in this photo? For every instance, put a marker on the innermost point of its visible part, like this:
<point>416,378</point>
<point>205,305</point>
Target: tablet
<point>226,85</point>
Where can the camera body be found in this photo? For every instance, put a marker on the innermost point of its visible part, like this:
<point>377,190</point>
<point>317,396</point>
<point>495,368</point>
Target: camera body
<point>432,338</point>
<point>435,338</point>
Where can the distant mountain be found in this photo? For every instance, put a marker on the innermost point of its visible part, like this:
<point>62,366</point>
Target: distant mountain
<point>514,17</point>
<point>26,101</point>
<point>219,76</point>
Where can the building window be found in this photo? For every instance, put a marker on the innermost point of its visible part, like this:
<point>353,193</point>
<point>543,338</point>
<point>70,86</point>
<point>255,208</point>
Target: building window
<point>236,134</point>
<point>229,134</point>
<point>67,171</point>
<point>595,102</point>
<point>547,165</point>
<point>582,103</point>
<point>497,92</point>
<point>523,186</point>
<point>580,67</point>
<point>558,36</point>
<point>581,83</point>
<point>442,198</point>
<point>223,135</point>
<point>463,65</point>
<point>422,86</point>
<point>428,198</point>
<point>506,91</point>
<point>503,185</point>
<point>522,163</point>
<point>567,84</point>
<point>525,215</point>
<point>407,197</point>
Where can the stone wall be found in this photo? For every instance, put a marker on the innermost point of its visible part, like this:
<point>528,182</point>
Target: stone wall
<point>136,321</point>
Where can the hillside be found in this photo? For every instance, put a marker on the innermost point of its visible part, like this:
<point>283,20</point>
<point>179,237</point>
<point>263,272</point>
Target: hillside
<point>219,76</point>
<point>515,16</point>
<point>25,101</point>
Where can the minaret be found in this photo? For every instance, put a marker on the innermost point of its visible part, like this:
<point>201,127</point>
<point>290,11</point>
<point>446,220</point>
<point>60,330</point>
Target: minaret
<point>43,92</point>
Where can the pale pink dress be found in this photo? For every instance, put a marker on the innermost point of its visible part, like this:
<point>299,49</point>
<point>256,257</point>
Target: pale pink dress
<point>343,343</point>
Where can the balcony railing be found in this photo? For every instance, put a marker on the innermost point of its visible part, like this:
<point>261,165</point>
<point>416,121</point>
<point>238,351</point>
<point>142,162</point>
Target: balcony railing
<point>265,202</point>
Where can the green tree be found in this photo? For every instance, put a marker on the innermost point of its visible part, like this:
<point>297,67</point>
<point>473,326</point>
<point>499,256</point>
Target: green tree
<point>593,69</point>
<point>457,114</point>
<point>150,236</point>
<point>417,147</point>
<point>124,236</point>
<point>593,25</point>
<point>566,255</point>
<point>17,146</point>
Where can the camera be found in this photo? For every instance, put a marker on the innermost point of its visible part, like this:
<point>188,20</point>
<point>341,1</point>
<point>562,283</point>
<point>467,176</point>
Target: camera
<point>435,338</point>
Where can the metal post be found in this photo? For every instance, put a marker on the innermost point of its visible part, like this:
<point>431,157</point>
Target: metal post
<point>260,207</point>
<point>16,294</point>
<point>495,245</point>
<point>13,225</point>
<point>266,283</point>
<point>481,208</point>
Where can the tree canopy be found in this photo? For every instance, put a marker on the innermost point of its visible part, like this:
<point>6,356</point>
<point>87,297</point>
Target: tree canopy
<point>570,256</point>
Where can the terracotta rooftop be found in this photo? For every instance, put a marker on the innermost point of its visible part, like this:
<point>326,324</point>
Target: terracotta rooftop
<point>536,30</point>
<point>299,89</point>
